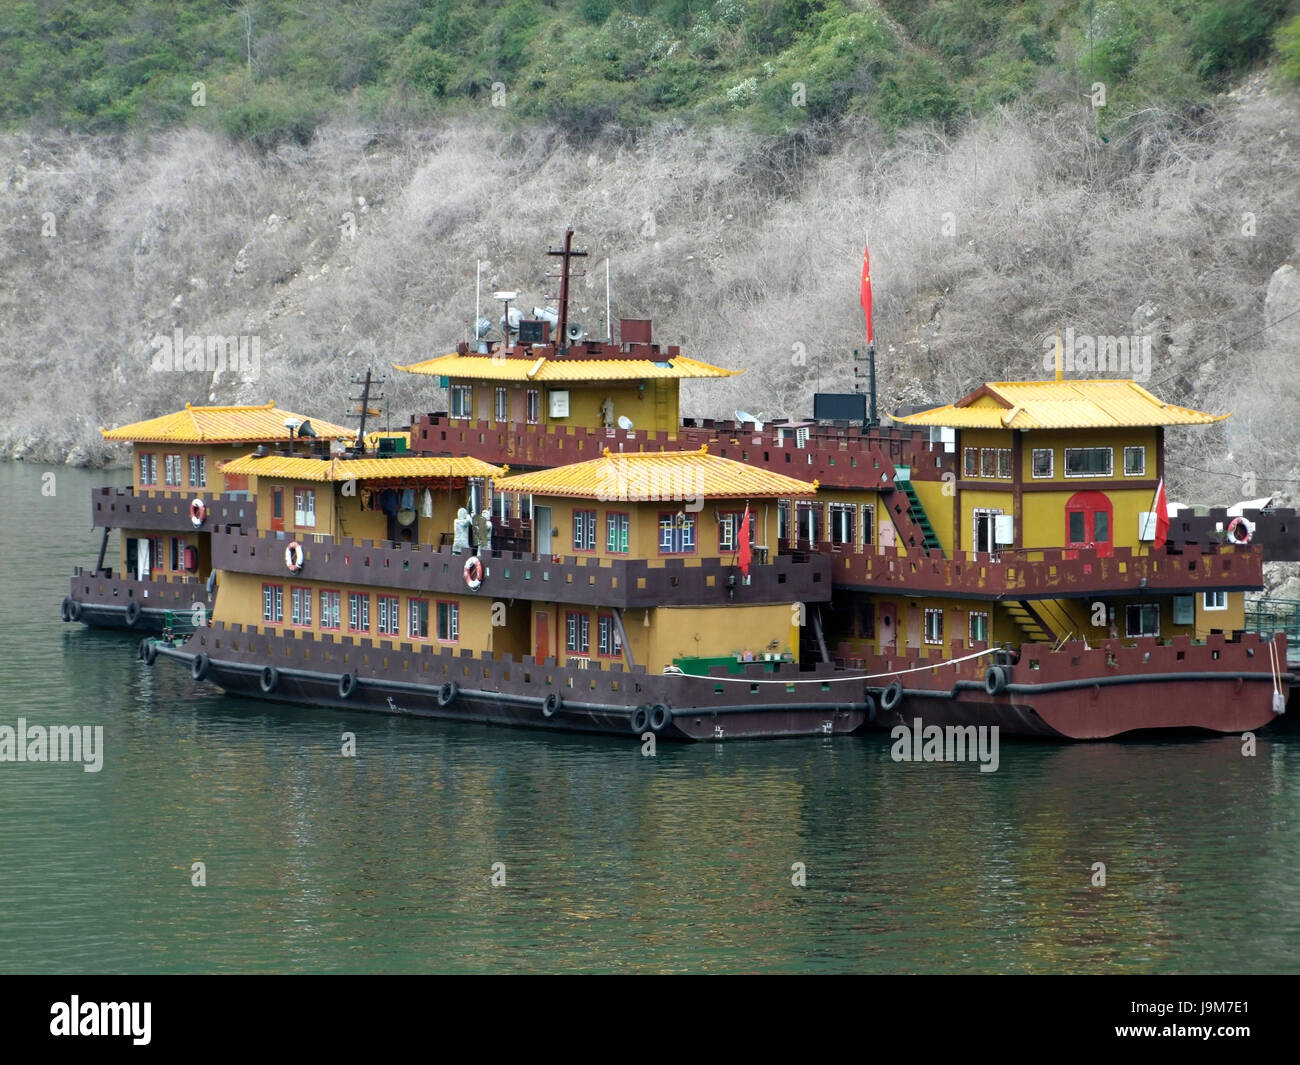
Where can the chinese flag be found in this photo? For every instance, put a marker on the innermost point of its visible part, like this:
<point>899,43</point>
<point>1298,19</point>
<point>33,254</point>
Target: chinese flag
<point>866,289</point>
<point>1162,515</point>
<point>742,550</point>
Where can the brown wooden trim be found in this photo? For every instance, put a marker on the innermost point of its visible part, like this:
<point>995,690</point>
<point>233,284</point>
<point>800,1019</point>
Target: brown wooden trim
<point>1074,484</point>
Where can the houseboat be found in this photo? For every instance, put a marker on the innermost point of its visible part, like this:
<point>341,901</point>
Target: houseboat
<point>164,518</point>
<point>559,549</point>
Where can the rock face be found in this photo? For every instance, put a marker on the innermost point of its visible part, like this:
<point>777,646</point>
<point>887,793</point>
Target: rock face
<point>1282,306</point>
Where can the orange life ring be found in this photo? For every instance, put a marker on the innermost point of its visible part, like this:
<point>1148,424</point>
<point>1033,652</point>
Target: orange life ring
<point>473,573</point>
<point>293,557</point>
<point>1240,531</point>
<point>198,512</point>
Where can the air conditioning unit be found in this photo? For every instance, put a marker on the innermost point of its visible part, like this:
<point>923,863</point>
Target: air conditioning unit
<point>1004,529</point>
<point>559,404</point>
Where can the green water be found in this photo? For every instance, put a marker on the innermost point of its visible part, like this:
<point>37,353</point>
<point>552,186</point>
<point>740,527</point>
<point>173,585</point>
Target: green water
<point>613,861</point>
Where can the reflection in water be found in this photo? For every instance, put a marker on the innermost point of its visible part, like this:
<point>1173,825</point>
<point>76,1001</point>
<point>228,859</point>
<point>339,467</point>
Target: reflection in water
<point>612,861</point>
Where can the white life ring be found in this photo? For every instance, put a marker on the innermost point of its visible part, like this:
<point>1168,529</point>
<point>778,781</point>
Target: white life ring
<point>473,573</point>
<point>293,557</point>
<point>1240,531</point>
<point>198,512</point>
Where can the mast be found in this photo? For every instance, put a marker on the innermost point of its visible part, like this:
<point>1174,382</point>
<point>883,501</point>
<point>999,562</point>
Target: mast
<point>565,254</point>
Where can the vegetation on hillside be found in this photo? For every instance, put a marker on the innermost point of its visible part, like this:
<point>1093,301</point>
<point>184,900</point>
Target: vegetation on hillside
<point>274,70</point>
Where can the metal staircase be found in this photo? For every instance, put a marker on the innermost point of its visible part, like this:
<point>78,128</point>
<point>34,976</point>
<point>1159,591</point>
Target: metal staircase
<point>903,481</point>
<point>1029,622</point>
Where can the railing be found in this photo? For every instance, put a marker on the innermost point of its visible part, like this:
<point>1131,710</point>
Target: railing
<point>167,511</point>
<point>1277,531</point>
<point>548,578</point>
<point>1048,574</point>
<point>1267,615</point>
<point>839,457</point>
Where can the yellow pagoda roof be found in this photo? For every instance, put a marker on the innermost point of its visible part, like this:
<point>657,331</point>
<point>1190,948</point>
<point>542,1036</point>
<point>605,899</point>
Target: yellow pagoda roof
<point>1096,404</point>
<point>222,425</point>
<point>636,477</point>
<point>564,369</point>
<point>414,467</point>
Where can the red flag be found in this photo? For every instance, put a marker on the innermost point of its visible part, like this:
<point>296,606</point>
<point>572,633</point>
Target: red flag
<point>742,549</point>
<point>866,289</point>
<point>1162,515</point>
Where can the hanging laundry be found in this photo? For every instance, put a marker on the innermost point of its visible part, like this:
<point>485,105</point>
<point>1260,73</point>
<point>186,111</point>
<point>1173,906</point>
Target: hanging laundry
<point>408,499</point>
<point>388,502</point>
<point>426,504</point>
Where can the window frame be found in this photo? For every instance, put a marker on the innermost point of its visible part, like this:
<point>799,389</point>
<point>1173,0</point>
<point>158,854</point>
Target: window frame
<point>533,406</point>
<point>618,530</point>
<point>417,608</point>
<point>937,639</point>
<point>272,603</point>
<point>970,462</point>
<point>1110,462</point>
<point>448,609</point>
<point>388,608</point>
<point>833,508</point>
<point>605,626</point>
<point>577,631</point>
<point>1205,600</point>
<point>982,615</point>
<point>462,397</point>
<point>300,512</point>
<point>359,612</point>
<point>584,532</point>
<point>1050,452</point>
<point>501,404</point>
<point>198,470</point>
<point>1135,473</point>
<point>868,525</point>
<point>678,533</point>
<point>152,480</point>
<point>1129,608</point>
<point>300,597</point>
<point>326,613</point>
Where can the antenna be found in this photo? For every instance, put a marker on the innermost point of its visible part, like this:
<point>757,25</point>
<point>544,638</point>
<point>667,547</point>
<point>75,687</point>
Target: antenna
<point>565,254</point>
<point>609,322</point>
<point>478,291</point>
<point>505,298</point>
<point>365,410</point>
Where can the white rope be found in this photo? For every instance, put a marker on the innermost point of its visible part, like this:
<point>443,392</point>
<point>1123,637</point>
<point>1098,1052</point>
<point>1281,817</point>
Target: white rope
<point>861,677</point>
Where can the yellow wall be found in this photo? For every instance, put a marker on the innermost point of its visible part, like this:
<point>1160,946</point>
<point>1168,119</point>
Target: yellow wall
<point>195,539</point>
<point>654,408</point>
<point>213,453</point>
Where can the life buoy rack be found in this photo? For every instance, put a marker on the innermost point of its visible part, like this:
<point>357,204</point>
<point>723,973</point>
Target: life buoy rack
<point>293,557</point>
<point>198,512</point>
<point>1240,531</point>
<point>473,573</point>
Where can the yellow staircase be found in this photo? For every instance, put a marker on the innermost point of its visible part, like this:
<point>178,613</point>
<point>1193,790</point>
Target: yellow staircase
<point>1033,626</point>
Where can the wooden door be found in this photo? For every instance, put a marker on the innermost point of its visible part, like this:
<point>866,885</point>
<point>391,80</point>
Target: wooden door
<point>277,508</point>
<point>542,649</point>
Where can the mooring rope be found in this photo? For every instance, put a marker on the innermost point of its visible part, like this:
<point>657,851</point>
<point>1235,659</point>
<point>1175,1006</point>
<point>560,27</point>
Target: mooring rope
<point>843,680</point>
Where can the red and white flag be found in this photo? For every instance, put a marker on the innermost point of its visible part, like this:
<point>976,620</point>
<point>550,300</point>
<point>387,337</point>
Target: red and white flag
<point>1161,509</point>
<point>742,548</point>
<point>866,288</point>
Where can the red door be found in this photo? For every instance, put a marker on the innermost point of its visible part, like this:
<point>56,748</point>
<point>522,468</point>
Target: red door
<point>543,649</point>
<point>277,509</point>
<point>1088,523</point>
<point>888,627</point>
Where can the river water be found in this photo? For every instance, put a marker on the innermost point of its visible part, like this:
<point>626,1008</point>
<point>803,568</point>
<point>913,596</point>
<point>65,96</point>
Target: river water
<point>316,862</point>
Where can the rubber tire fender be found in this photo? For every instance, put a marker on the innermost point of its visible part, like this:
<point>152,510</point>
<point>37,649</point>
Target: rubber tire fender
<point>199,666</point>
<point>995,680</point>
<point>660,717</point>
<point>551,704</point>
<point>148,651</point>
<point>447,693</point>
<point>268,680</point>
<point>639,719</point>
<point>347,685</point>
<point>132,612</point>
<point>893,695</point>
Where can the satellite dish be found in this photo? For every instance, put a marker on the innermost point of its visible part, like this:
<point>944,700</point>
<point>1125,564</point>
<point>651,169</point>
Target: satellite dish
<point>546,315</point>
<point>743,416</point>
<point>624,422</point>
<point>482,327</point>
<point>515,318</point>
<point>505,295</point>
